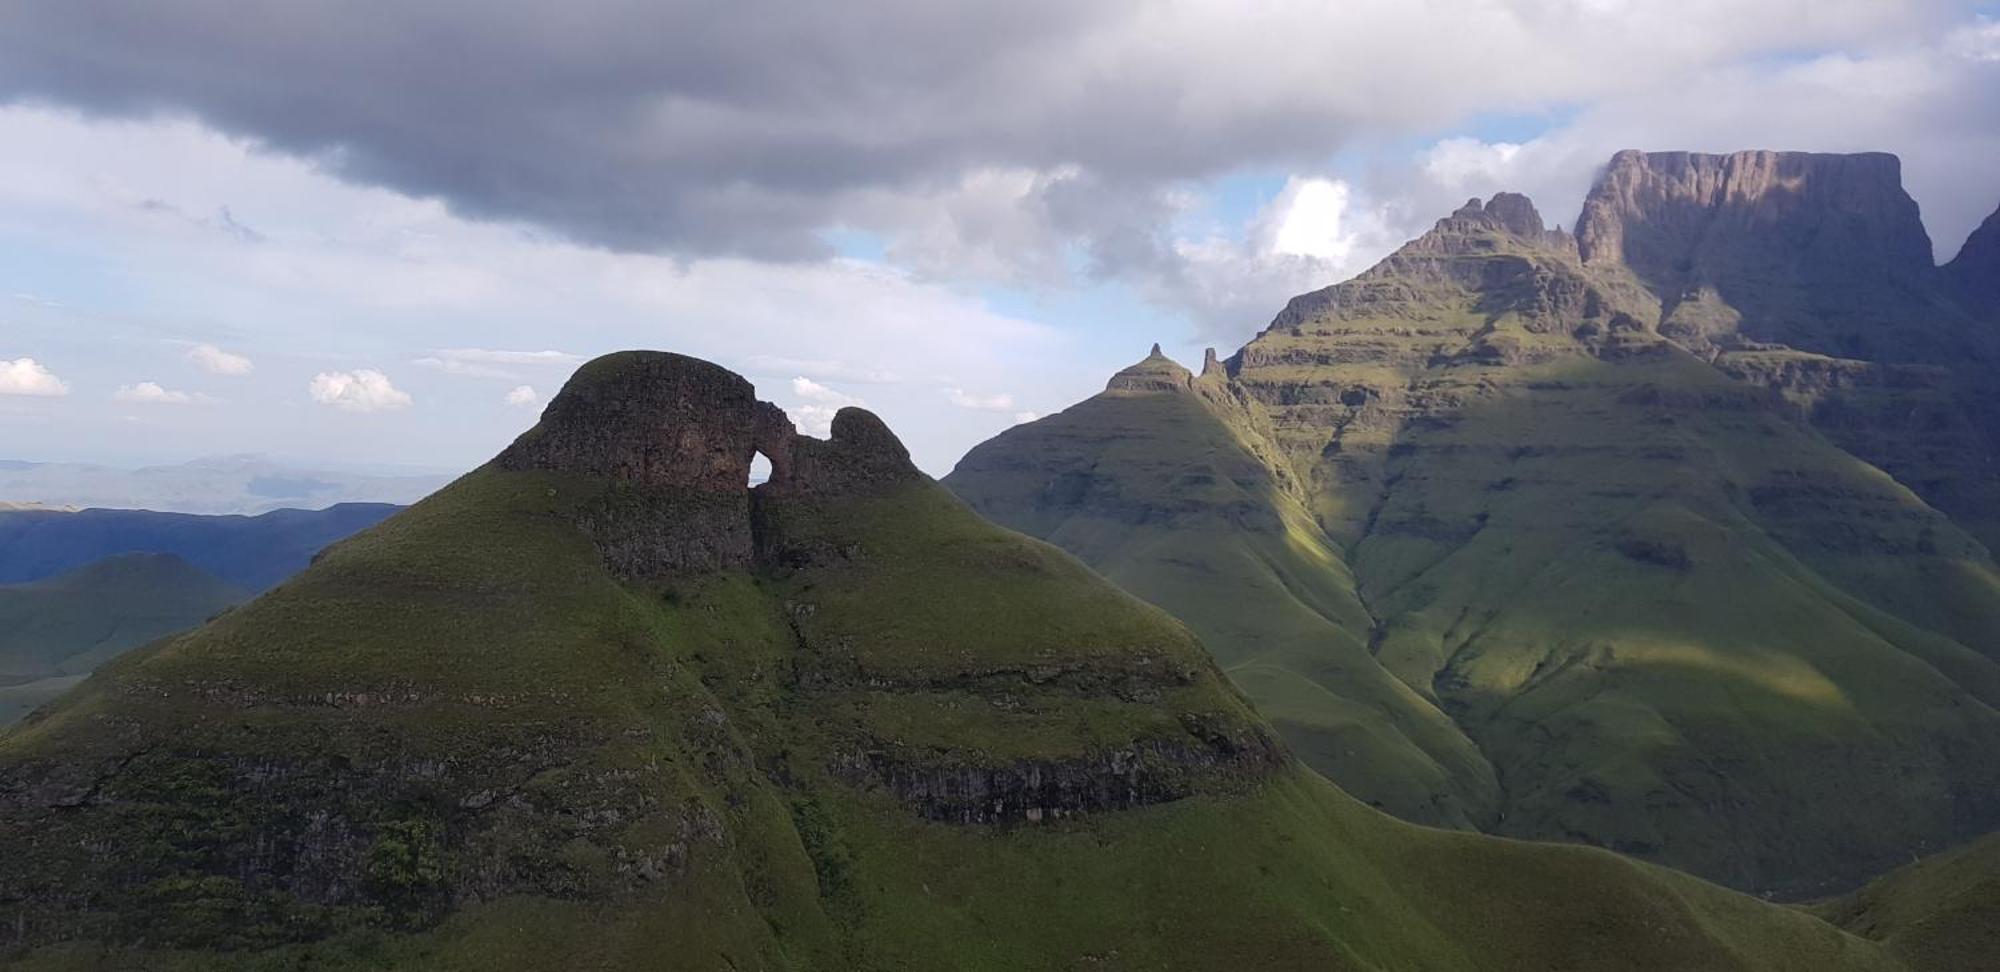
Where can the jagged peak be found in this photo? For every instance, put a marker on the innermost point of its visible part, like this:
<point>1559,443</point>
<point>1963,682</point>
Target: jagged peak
<point>1210,364</point>
<point>1475,226</point>
<point>1517,214</point>
<point>1155,372</point>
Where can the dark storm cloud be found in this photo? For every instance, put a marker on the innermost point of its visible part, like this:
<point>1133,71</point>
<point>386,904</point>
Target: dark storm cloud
<point>743,128</point>
<point>700,128</point>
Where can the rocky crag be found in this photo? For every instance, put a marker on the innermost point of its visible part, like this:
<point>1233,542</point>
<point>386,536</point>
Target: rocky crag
<point>1609,538</point>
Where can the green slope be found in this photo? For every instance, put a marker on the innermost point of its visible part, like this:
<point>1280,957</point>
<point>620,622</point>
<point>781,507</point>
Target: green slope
<point>586,709</point>
<point>1940,914</point>
<point>1667,615</point>
<point>1174,491</point>
<point>53,630</point>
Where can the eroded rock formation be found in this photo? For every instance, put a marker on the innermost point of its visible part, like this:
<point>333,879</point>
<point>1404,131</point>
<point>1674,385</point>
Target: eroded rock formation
<point>678,435</point>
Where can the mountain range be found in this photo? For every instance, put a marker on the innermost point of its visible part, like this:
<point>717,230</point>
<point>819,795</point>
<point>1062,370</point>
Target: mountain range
<point>1670,535</point>
<point>596,704</point>
<point>250,552</point>
<point>214,485</point>
<point>1663,543</point>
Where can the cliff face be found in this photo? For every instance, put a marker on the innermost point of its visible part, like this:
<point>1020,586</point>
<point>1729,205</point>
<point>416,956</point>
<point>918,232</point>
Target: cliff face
<point>1822,253</point>
<point>1650,210</point>
<point>1975,272</point>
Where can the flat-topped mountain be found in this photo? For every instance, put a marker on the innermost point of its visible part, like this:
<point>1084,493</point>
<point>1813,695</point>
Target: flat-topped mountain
<point>598,705</point>
<point>1822,253</point>
<point>1550,536</point>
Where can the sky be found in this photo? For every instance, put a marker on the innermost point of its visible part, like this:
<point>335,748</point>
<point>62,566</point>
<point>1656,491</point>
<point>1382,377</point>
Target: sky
<point>380,233</point>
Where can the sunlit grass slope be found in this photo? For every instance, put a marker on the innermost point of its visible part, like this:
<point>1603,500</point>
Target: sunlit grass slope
<point>1165,493</point>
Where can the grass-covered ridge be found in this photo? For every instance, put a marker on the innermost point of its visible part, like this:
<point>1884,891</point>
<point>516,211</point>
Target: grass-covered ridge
<point>461,741</point>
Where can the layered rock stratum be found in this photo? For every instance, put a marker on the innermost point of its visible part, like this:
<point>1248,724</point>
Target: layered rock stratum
<point>1669,536</point>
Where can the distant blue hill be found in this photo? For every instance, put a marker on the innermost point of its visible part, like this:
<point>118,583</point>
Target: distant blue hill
<point>250,552</point>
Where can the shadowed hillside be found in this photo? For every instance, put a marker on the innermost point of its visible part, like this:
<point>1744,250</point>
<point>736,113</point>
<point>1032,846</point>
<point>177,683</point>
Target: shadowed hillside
<point>55,631</point>
<point>251,552</point>
<point>1940,914</point>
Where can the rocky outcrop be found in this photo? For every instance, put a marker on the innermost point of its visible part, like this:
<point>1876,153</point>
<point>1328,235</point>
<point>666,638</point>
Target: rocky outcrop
<point>1156,372</point>
<point>1141,773</point>
<point>860,456</point>
<point>654,418</point>
<point>676,436</point>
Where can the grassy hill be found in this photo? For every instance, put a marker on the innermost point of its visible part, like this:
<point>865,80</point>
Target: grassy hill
<point>53,631</point>
<point>1940,914</point>
<point>592,707</point>
<point>1493,551</point>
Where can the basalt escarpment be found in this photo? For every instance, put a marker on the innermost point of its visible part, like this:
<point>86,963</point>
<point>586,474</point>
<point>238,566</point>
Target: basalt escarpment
<point>1543,535</point>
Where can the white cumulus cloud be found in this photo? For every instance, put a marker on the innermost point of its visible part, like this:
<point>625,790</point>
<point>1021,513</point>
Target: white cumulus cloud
<point>831,368</point>
<point>151,393</point>
<point>216,361</point>
<point>363,390</point>
<point>818,404</point>
<point>1455,163</point>
<point>493,363</point>
<point>26,376</point>
<point>1001,402</point>
<point>523,396</point>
